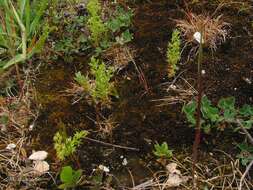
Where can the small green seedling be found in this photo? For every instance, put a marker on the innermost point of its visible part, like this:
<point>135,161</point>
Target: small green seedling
<point>69,177</point>
<point>66,146</point>
<point>162,150</point>
<point>99,88</point>
<point>173,53</point>
<point>96,26</point>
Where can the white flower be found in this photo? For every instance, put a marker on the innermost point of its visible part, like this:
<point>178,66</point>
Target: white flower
<point>39,155</point>
<point>197,37</point>
<point>10,146</point>
<point>124,162</point>
<point>104,168</point>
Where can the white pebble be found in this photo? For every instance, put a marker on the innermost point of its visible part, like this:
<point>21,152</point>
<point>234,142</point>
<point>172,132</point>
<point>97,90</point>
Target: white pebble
<point>10,146</point>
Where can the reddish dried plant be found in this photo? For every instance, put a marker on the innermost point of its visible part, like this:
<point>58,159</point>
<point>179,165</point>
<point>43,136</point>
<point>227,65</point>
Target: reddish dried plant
<point>214,30</point>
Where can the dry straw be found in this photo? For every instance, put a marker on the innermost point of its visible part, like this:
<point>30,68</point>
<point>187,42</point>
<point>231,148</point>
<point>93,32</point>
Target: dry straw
<point>214,30</point>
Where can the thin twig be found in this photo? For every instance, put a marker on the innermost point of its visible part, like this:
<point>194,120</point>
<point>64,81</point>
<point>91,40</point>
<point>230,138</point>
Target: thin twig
<point>245,131</point>
<point>244,174</point>
<point>113,145</point>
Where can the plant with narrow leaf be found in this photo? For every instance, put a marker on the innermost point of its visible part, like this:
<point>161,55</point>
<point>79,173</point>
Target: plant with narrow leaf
<point>69,177</point>
<point>21,34</point>
<point>173,53</point>
<point>65,146</point>
<point>100,88</point>
<point>96,26</point>
<point>162,150</point>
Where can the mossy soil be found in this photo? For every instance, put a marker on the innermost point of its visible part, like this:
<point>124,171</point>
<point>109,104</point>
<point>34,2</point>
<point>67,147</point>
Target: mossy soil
<point>141,122</point>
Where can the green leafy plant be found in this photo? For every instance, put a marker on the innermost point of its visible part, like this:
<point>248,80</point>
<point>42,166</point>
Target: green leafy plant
<point>96,25</point>
<point>103,87</point>
<point>69,177</point>
<point>121,19</point>
<point>173,53</point>
<point>66,146</point>
<point>226,112</point>
<point>100,88</point>
<point>246,153</point>
<point>83,81</point>
<point>21,34</point>
<point>162,150</point>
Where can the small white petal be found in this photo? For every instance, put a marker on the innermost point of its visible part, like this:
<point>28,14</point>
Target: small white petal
<point>104,168</point>
<point>197,37</point>
<point>31,127</point>
<point>203,72</point>
<point>124,162</point>
<point>10,146</point>
<point>39,155</point>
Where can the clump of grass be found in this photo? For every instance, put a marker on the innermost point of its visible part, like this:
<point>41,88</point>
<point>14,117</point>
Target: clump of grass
<point>21,34</point>
<point>173,53</point>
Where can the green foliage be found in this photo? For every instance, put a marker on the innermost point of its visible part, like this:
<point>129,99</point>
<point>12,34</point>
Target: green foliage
<point>103,87</point>
<point>162,150</point>
<point>65,146</point>
<point>121,19</point>
<point>100,89</point>
<point>224,113</point>
<point>96,26</point>
<point>69,36</point>
<point>21,34</point>
<point>227,105</point>
<point>69,177</point>
<point>246,154</point>
<point>173,53</point>
<point>124,38</point>
<point>189,110</point>
<point>83,81</point>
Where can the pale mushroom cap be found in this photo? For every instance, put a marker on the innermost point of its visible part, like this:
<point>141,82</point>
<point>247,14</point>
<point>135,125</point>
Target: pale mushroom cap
<point>41,166</point>
<point>39,155</point>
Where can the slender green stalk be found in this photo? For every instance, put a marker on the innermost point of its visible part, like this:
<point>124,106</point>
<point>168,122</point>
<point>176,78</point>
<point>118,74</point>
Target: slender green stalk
<point>198,117</point>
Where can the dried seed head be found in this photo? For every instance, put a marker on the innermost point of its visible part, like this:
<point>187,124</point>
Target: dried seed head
<point>214,30</point>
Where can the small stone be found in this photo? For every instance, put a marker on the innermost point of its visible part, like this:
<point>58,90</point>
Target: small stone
<point>10,146</point>
<point>173,87</point>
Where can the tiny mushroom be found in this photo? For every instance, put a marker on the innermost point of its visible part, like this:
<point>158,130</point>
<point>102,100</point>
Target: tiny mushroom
<point>39,155</point>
